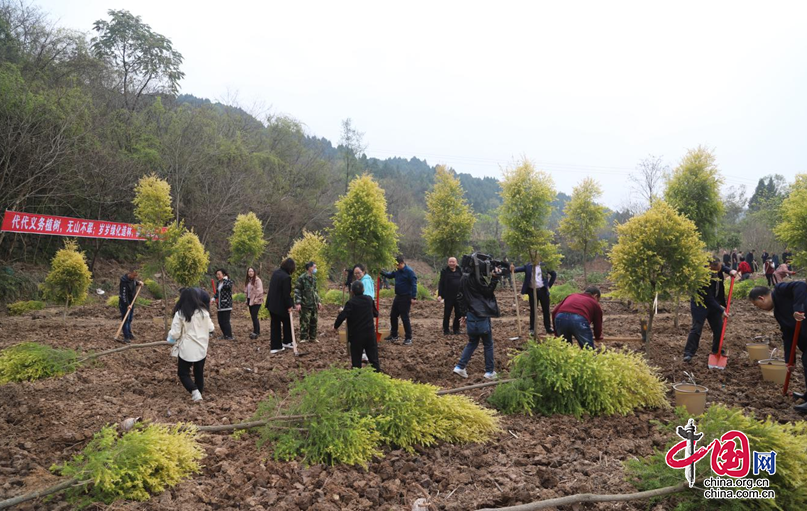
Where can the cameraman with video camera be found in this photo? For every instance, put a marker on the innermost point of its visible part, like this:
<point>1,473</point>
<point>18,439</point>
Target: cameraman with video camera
<point>477,304</point>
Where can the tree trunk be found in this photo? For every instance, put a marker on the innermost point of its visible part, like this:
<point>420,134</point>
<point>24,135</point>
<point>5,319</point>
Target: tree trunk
<point>651,315</point>
<point>165,302</point>
<point>66,303</point>
<point>534,310</point>
<point>677,306</point>
<point>515,295</point>
<point>585,273</point>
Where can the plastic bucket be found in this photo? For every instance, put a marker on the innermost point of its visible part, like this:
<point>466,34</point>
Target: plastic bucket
<point>383,332</point>
<point>758,351</point>
<point>692,397</point>
<point>773,369</point>
<point>342,335</point>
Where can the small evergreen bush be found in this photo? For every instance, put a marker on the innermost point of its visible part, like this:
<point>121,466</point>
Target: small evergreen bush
<point>558,293</point>
<point>31,361</point>
<point>113,301</point>
<point>20,308</point>
<point>788,440</point>
<point>556,377</point>
<point>69,277</point>
<point>742,288</point>
<point>334,297</point>
<point>387,293</point>
<point>354,412</point>
<point>424,293</point>
<point>146,460</point>
<point>154,288</point>
<point>240,297</point>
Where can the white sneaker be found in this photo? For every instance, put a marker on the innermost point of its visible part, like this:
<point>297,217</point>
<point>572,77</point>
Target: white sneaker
<point>364,357</point>
<point>491,376</point>
<point>196,395</point>
<point>276,351</point>
<point>288,346</point>
<point>461,372</point>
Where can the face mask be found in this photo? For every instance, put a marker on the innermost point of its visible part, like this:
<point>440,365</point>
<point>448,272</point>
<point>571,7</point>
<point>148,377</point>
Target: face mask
<point>315,270</point>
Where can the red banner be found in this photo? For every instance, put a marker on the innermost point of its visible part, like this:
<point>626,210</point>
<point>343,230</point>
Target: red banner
<point>29,223</point>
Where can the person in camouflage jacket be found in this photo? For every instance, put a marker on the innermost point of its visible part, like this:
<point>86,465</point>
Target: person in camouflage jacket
<point>307,302</point>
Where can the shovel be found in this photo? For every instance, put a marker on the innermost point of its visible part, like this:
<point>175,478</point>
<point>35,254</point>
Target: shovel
<point>213,283</point>
<point>792,359</point>
<point>518,314</point>
<point>125,316</point>
<point>718,360</point>
<point>378,308</point>
<point>293,338</point>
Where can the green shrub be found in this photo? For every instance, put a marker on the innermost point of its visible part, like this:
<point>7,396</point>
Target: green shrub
<point>263,313</point>
<point>788,440</point>
<point>596,277</point>
<point>742,288</point>
<point>387,293</point>
<point>144,461</point>
<point>354,412</point>
<point>16,285</point>
<point>69,277</point>
<point>154,288</point>
<point>334,297</point>
<point>240,297</point>
<point>424,293</point>
<point>556,377</point>
<point>113,301</point>
<point>19,308</point>
<point>30,361</point>
<point>569,274</point>
<point>558,293</point>
<point>188,261</point>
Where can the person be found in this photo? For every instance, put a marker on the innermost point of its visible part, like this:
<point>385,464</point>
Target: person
<point>726,258</point>
<point>190,335</point>
<point>769,275</point>
<point>359,312</point>
<point>734,259</point>
<point>574,316</point>
<point>224,299</point>
<point>745,270</point>
<point>406,292</point>
<point>447,293</point>
<point>782,272</point>
<point>477,303</point>
<point>787,300</point>
<point>543,282</point>
<point>307,302</point>
<point>359,274</point>
<point>775,259</point>
<point>254,291</point>
<point>713,310</point>
<point>786,255</point>
<point>280,305</point>
<point>765,256</point>
<point>749,258</point>
<point>348,273</point>
<point>126,295</point>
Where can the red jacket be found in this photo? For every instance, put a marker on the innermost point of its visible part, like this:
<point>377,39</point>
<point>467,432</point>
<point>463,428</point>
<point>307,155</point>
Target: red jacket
<point>585,305</point>
<point>744,268</point>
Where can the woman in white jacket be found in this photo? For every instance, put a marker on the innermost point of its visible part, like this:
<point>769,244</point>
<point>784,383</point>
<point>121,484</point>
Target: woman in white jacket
<point>190,334</point>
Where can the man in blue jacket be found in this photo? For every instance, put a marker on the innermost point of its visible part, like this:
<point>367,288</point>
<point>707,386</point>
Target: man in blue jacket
<point>406,292</point>
<point>787,300</point>
<point>543,281</point>
<point>712,310</point>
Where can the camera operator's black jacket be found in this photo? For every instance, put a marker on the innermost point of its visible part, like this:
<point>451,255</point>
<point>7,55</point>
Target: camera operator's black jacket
<point>476,297</point>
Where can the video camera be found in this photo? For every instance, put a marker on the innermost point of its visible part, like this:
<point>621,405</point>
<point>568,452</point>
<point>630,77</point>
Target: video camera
<point>484,267</point>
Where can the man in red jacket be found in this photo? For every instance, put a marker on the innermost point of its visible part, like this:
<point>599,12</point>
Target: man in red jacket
<point>745,270</point>
<point>574,316</point>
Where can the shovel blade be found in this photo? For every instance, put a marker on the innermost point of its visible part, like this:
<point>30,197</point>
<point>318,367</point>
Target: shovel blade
<point>515,338</point>
<point>717,361</point>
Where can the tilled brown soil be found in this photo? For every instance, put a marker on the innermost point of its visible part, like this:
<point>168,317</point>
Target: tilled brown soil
<point>533,458</point>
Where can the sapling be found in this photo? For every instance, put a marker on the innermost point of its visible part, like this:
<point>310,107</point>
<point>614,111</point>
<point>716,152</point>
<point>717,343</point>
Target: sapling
<point>69,277</point>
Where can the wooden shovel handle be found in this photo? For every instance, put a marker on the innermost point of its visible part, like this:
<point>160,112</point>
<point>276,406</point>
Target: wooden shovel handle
<point>128,311</point>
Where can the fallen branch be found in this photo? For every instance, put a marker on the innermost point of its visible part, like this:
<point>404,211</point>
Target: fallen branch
<point>252,424</point>
<point>472,387</point>
<point>5,504</point>
<point>123,348</point>
<point>591,497</point>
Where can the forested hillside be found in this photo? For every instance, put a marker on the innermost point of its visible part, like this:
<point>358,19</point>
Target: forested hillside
<point>83,118</point>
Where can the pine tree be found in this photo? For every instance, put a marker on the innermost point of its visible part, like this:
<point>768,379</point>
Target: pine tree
<point>583,220</point>
<point>311,247</point>
<point>449,219</point>
<point>69,277</point>
<point>247,243</point>
<point>189,261</point>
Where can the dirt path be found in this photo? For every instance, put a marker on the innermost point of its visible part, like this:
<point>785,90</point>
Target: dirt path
<point>534,458</point>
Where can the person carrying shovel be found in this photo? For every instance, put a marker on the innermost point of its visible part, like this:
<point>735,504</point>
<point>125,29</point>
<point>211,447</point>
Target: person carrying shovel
<point>787,300</point>
<point>712,309</point>
<point>126,302</point>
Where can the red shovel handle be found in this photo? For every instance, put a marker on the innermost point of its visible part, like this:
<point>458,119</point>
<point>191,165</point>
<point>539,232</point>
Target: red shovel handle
<point>792,359</point>
<point>213,283</point>
<point>726,319</point>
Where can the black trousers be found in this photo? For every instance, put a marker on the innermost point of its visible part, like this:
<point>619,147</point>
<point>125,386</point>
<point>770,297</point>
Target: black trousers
<point>400,307</point>
<point>280,322</point>
<point>543,297</point>
<point>364,345</point>
<point>224,323</point>
<point>256,323</point>
<point>699,318</point>
<point>449,306</point>
<point>769,276</point>
<point>184,373</point>
<point>802,344</point>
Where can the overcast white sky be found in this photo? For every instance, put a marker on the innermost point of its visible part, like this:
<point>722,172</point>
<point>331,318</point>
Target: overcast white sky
<point>581,88</point>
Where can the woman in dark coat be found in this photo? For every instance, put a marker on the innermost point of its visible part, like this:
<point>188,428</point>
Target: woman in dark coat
<point>280,303</point>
